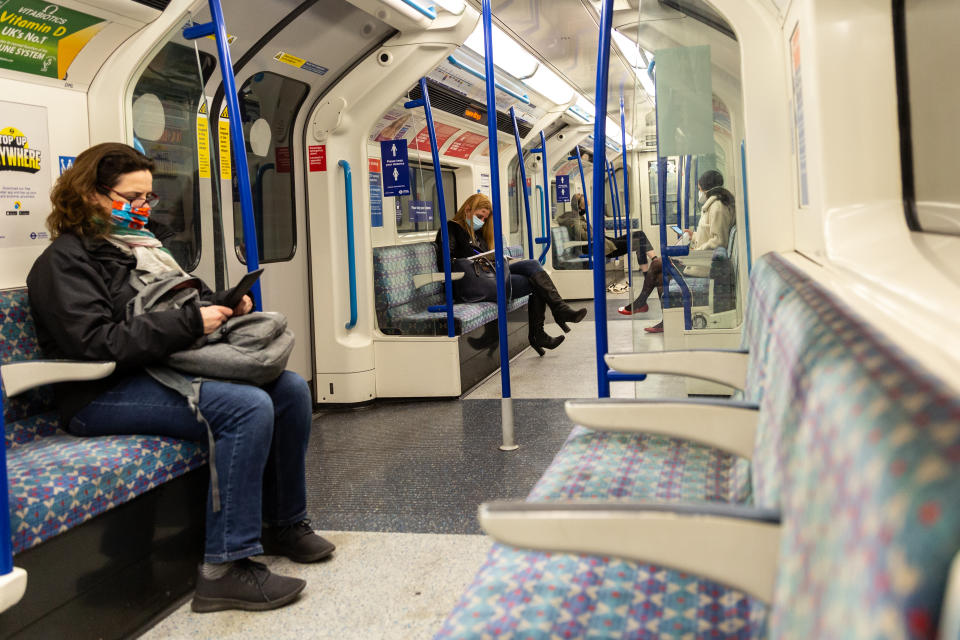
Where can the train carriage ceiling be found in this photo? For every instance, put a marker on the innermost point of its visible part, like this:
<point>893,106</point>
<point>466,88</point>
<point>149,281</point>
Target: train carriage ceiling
<point>565,33</point>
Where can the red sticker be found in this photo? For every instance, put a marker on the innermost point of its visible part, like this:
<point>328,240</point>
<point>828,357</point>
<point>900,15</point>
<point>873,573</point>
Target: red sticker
<point>463,146</point>
<point>283,159</point>
<point>317,157</point>
<point>444,131</point>
<point>373,165</point>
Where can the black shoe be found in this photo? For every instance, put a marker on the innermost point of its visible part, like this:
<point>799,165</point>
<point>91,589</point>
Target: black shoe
<point>297,542</point>
<point>248,586</point>
<point>562,312</point>
<point>543,340</point>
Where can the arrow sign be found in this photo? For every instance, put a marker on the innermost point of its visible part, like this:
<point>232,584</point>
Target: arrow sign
<point>563,188</point>
<point>396,168</point>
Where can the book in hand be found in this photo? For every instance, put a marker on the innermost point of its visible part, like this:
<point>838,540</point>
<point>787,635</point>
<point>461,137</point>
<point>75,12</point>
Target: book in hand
<point>485,254</point>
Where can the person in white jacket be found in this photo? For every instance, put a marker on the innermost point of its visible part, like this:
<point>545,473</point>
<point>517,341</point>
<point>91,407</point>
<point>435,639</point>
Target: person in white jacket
<point>713,230</point>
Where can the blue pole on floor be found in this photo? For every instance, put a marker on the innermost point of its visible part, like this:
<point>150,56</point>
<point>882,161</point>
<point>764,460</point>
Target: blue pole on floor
<point>626,194</point>
<point>547,237</point>
<point>746,203</point>
<point>599,154</point>
<point>586,205</point>
<point>506,406</point>
<point>523,179</point>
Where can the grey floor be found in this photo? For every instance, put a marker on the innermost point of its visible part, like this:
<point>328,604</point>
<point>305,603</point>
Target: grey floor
<point>396,487</point>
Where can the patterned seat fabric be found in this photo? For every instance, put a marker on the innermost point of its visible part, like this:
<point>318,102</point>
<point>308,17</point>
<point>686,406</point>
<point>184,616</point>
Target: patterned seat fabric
<point>402,308</point>
<point>565,255</point>
<point>58,481</point>
<point>610,224</point>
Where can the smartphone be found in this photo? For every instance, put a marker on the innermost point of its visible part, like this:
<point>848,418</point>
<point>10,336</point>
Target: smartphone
<point>677,229</point>
<point>242,289</point>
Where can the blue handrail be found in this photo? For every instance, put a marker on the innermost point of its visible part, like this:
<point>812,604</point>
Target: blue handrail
<point>522,98</point>
<point>545,238</point>
<point>746,202</point>
<point>545,206</point>
<point>351,249</point>
<point>586,206</point>
<point>523,179</point>
<point>217,28</point>
<point>613,205</point>
<point>599,153</point>
<point>626,194</point>
<point>686,192</point>
<point>430,12</point>
<point>679,189</point>
<point>424,102</point>
<point>6,542</point>
<point>497,224</point>
<point>616,199</point>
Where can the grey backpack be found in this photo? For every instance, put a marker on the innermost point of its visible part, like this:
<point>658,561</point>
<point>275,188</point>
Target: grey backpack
<point>252,348</point>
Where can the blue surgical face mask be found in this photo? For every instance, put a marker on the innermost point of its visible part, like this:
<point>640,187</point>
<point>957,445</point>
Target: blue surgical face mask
<point>477,223</point>
<point>129,217</point>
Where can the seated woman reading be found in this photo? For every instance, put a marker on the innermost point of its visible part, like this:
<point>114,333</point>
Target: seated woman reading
<point>79,288</point>
<point>575,221</point>
<point>471,233</point>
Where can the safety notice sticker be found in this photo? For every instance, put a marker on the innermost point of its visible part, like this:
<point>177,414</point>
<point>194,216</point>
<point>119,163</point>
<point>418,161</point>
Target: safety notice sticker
<point>299,63</point>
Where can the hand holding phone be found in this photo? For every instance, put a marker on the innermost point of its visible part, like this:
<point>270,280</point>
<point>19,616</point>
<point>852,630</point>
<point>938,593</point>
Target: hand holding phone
<point>242,288</point>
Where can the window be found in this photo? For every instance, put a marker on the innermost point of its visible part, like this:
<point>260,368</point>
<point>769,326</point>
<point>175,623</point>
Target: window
<point>672,209</point>
<point>423,189</point>
<point>515,196</point>
<point>268,107</point>
<point>927,47</point>
<point>165,110</point>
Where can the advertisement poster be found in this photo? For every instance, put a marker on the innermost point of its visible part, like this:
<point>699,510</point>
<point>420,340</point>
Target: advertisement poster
<point>24,175</point>
<point>443,132</point>
<point>42,38</point>
<point>464,145</point>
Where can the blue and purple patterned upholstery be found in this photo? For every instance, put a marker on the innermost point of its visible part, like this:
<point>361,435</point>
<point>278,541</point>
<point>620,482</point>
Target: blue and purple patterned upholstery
<point>402,308</point>
<point>610,223</point>
<point>58,481</point>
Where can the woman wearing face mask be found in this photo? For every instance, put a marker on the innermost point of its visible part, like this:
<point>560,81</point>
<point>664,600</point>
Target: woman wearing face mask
<point>79,289</point>
<point>470,233</point>
<point>713,230</point>
<point>575,221</point>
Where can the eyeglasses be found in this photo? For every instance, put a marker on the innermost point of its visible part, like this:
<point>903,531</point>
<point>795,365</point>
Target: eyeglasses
<point>150,198</point>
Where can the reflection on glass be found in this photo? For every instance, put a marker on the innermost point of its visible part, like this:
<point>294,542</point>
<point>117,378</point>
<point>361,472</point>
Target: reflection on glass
<point>166,100</point>
<point>423,188</point>
<point>268,107</point>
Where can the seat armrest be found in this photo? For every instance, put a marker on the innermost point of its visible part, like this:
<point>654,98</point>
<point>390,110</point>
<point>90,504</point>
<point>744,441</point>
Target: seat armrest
<point>732,544</point>
<point>422,279</point>
<point>726,366</point>
<point>727,425</point>
<point>22,376</point>
<point>12,587</point>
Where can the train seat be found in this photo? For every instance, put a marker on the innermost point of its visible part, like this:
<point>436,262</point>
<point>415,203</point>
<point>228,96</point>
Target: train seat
<point>856,485</point>
<point>610,224</point>
<point>567,254</point>
<point>402,307</point>
<point>716,291</point>
<point>58,481</point>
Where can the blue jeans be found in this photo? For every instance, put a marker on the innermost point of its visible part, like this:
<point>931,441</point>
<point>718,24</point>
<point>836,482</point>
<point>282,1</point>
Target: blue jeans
<point>520,273</point>
<point>260,435</point>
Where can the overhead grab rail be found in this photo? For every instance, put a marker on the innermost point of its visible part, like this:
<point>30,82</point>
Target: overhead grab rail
<point>545,207</point>
<point>217,28</point>
<point>430,12</point>
<point>522,98</point>
<point>604,374</point>
<point>506,402</point>
<point>351,249</point>
<point>626,194</point>
<point>523,179</point>
<point>424,101</point>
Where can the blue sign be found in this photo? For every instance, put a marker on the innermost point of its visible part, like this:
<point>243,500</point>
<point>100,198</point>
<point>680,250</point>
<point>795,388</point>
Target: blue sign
<point>66,162</point>
<point>563,188</point>
<point>421,211</point>
<point>376,199</point>
<point>396,168</point>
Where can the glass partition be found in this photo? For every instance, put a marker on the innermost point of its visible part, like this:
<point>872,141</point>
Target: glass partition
<point>419,211</point>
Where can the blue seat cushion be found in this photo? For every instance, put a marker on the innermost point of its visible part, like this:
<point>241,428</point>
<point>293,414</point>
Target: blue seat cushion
<point>699,292</point>
<point>466,318</point>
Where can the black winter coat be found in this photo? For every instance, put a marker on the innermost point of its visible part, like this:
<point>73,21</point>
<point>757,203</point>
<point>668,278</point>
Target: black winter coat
<point>460,244</point>
<point>78,289</point>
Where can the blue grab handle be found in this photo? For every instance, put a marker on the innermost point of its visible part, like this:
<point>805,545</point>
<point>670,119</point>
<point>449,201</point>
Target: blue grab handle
<point>746,202</point>
<point>351,248</point>
<point>430,12</point>
<point>459,65</point>
<point>545,206</point>
<point>586,207</point>
<point>523,180</point>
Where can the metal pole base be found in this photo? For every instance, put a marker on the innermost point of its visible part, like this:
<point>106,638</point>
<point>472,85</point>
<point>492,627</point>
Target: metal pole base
<point>506,421</point>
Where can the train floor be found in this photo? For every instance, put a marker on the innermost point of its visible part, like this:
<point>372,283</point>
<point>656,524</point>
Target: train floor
<point>396,487</point>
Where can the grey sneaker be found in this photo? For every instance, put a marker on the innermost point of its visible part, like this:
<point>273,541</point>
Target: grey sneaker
<point>297,542</point>
<point>247,585</point>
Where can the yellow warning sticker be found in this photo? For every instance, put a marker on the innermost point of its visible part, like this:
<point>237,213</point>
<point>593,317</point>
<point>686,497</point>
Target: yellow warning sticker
<point>226,169</point>
<point>230,39</point>
<point>299,63</point>
<point>203,146</point>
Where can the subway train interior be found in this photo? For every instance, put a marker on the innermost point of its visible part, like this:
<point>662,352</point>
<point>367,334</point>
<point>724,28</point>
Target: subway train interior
<point>750,429</point>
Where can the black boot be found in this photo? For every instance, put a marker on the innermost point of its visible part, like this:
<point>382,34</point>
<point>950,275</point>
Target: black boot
<point>562,312</point>
<point>539,339</point>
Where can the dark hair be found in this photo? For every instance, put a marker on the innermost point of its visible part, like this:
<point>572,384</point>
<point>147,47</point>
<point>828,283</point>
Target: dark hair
<point>96,170</point>
<point>710,180</point>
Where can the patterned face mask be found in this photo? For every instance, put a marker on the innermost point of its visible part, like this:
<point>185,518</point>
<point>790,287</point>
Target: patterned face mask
<point>129,217</point>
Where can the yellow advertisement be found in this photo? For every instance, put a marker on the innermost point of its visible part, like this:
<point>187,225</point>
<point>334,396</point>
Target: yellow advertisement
<point>43,38</point>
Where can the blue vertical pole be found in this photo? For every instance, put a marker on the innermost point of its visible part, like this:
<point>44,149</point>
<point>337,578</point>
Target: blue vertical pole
<point>679,189</point>
<point>599,153</point>
<point>6,544</point>
<point>424,102</point>
<point>746,202</point>
<point>626,194</point>
<point>686,192</point>
<point>586,205</point>
<point>545,200</point>
<point>613,200</point>
<point>217,28</point>
<point>696,182</point>
<point>506,407</point>
<point>616,197</point>
<point>523,179</point>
